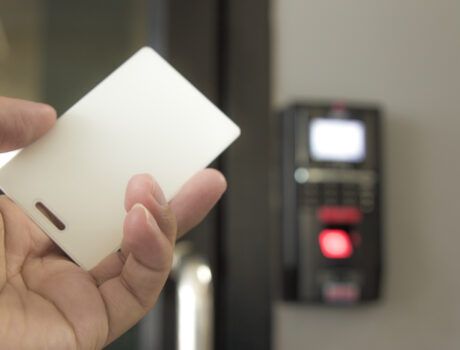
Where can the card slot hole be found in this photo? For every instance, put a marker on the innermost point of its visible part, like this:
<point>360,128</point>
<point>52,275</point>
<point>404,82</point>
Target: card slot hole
<point>50,216</point>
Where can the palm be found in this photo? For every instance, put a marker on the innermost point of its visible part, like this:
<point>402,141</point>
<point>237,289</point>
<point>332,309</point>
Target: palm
<point>47,301</point>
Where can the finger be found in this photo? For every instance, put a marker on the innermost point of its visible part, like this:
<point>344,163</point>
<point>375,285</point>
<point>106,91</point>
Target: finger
<point>190,206</point>
<point>22,122</point>
<point>145,190</point>
<point>130,295</point>
<point>196,199</point>
<point>141,189</point>
<point>2,254</point>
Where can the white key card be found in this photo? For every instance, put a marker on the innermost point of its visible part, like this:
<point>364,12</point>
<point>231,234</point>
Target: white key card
<point>143,118</point>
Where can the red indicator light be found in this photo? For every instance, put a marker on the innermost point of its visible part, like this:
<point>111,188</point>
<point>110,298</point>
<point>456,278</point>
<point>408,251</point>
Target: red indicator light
<point>335,244</point>
<point>339,215</point>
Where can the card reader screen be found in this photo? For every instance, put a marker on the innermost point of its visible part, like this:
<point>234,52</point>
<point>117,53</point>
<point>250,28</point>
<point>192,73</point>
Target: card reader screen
<point>337,140</point>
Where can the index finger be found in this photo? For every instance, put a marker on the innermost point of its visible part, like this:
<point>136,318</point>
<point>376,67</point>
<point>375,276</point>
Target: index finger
<point>22,122</point>
<point>196,199</point>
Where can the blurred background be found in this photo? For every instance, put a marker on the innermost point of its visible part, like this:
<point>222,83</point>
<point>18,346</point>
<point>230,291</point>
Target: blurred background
<point>254,59</point>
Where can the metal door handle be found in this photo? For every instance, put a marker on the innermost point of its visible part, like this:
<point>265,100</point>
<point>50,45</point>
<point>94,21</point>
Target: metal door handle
<point>195,300</point>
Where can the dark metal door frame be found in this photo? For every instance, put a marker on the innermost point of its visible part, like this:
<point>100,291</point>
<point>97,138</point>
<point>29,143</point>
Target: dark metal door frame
<point>222,46</point>
<point>246,243</point>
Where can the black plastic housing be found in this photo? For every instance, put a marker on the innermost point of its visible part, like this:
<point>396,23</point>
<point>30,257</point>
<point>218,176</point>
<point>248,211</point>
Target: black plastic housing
<point>306,272</point>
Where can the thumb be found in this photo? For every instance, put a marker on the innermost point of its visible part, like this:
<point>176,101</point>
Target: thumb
<point>22,122</point>
<point>2,254</point>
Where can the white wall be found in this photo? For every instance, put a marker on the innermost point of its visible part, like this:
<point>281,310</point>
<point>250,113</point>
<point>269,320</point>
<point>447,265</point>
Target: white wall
<point>404,54</point>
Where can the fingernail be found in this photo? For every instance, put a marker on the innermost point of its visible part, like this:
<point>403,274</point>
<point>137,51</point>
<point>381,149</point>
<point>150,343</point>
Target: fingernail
<point>159,195</point>
<point>148,216</point>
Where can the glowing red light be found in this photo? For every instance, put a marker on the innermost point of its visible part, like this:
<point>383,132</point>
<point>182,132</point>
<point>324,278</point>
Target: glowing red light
<point>343,215</point>
<point>335,244</point>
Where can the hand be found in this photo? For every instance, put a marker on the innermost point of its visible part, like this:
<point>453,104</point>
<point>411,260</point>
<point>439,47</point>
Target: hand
<point>47,301</point>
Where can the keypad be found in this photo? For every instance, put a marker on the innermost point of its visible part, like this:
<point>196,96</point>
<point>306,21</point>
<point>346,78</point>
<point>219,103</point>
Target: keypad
<point>347,194</point>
